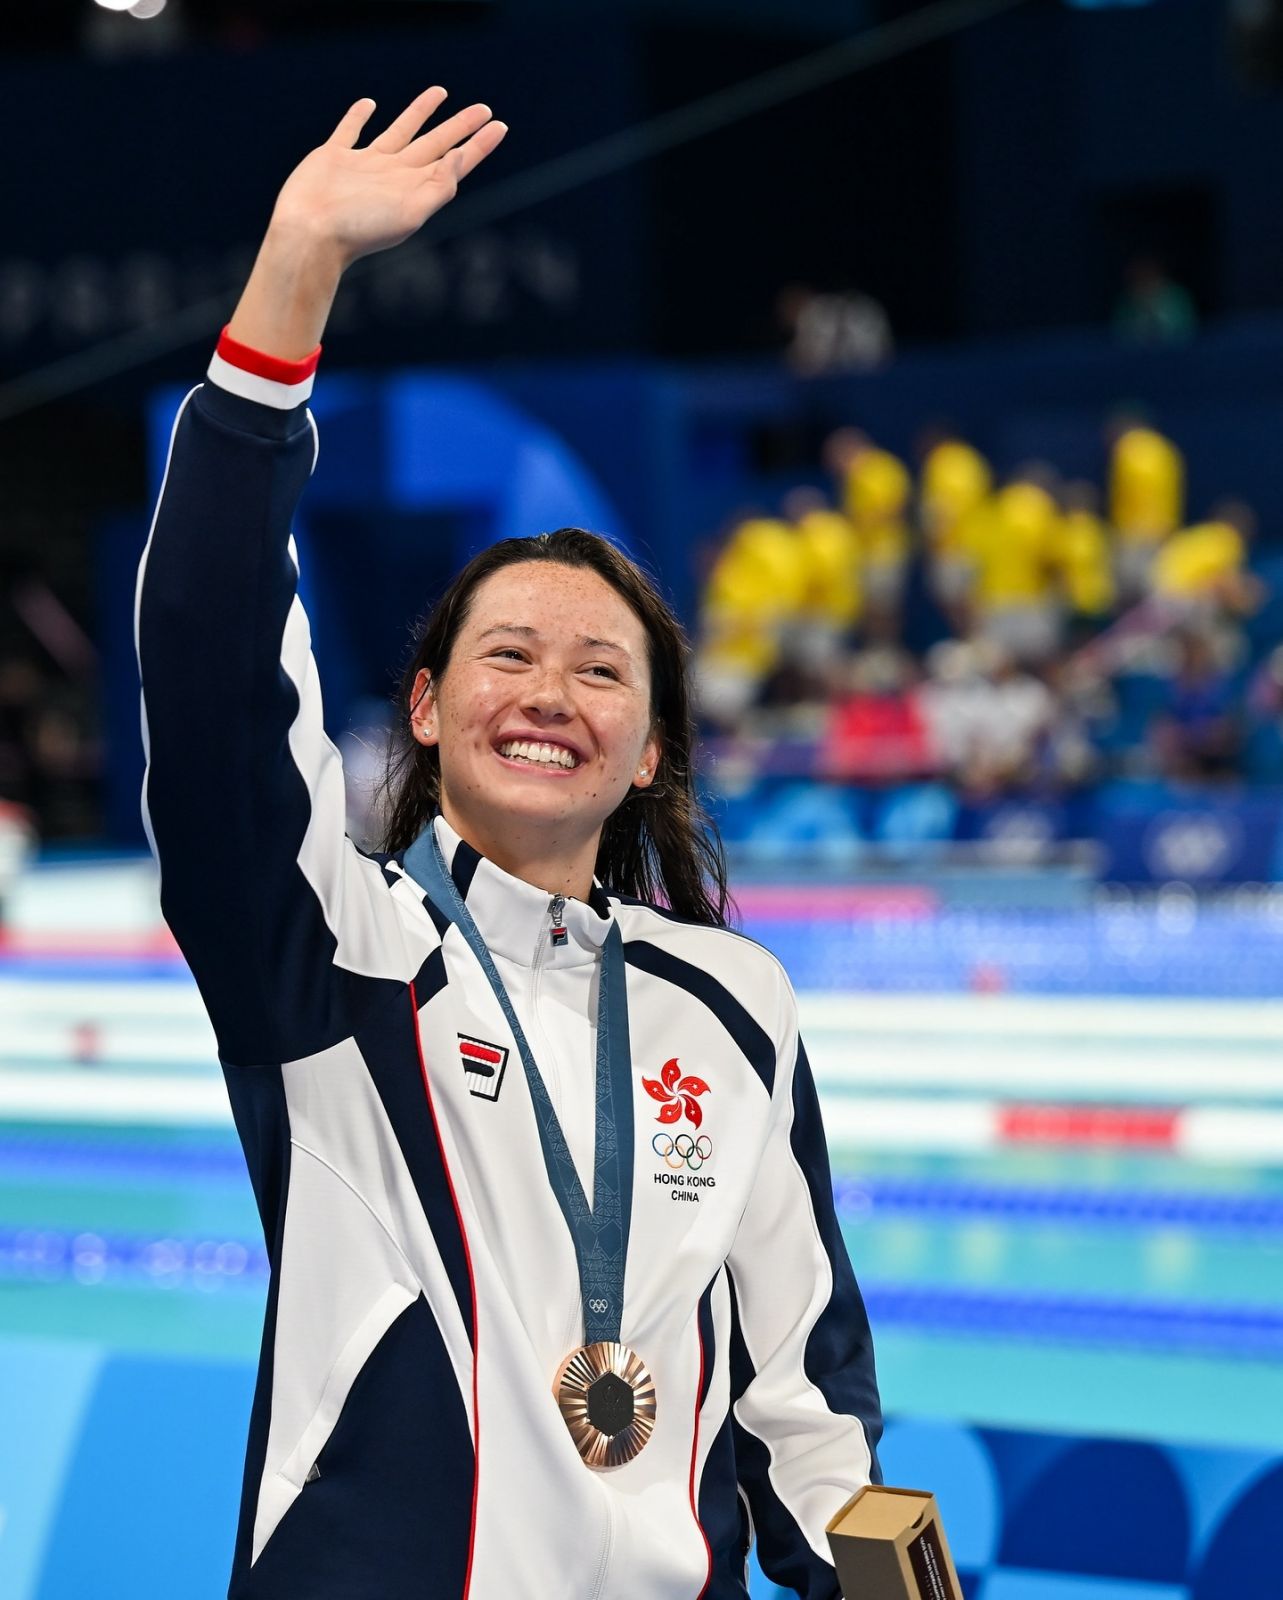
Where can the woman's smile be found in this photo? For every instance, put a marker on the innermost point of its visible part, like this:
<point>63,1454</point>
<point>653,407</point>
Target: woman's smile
<point>549,759</point>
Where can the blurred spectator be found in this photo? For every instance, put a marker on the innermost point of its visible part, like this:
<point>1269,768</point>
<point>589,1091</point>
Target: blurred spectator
<point>1200,574</point>
<point>986,717</point>
<point>1153,308</point>
<point>956,482</point>
<point>875,490</point>
<point>20,688</point>
<point>844,332</point>
<point>951,698</point>
<point>1017,711</point>
<point>1146,498</point>
<point>833,597</point>
<point>1011,541</point>
<point>755,591</point>
<point>17,846</point>
<point>1084,560</point>
<point>1197,733</point>
<point>876,728</point>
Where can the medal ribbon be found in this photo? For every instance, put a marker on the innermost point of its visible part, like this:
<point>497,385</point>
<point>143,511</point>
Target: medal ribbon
<point>598,1232</point>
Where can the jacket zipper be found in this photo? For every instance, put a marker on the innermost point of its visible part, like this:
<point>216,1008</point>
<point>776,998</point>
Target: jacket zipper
<point>607,1548</point>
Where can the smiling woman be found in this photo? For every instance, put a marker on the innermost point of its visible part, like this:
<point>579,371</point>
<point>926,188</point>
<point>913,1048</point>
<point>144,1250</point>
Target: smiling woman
<point>561,754</point>
<point>473,1071</point>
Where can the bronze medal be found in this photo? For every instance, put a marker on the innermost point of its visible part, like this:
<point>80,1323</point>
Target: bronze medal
<point>606,1397</point>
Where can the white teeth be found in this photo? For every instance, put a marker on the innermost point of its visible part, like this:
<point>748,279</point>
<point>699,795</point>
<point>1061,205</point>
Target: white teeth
<point>547,755</point>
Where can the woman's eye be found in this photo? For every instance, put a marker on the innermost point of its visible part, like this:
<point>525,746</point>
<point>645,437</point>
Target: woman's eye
<point>510,653</point>
<point>609,671</point>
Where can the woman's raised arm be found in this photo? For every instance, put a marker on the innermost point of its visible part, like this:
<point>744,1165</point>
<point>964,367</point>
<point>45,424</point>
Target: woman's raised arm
<point>287,927</point>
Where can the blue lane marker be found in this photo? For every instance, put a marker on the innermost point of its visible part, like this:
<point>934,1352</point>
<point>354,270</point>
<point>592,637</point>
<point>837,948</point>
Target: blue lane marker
<point>870,1199</point>
<point>1254,1332</point>
<point>27,1158</point>
<point>97,969</point>
<point>54,1255</point>
<point>50,1255</point>
<point>31,1158</point>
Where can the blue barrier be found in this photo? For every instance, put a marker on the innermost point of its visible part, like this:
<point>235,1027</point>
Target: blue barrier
<point>1148,833</point>
<point>1201,952</point>
<point>129,1467</point>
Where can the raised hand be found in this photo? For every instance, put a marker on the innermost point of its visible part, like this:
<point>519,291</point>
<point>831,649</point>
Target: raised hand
<point>357,200</point>
<point>342,202</point>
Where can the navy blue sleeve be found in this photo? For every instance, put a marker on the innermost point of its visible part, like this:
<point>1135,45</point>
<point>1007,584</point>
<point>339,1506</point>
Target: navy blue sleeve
<point>286,926</point>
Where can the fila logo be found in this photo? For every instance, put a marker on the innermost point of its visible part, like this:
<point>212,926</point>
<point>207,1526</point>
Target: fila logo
<point>483,1066</point>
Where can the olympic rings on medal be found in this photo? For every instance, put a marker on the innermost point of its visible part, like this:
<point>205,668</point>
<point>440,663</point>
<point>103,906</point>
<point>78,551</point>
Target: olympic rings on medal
<point>682,1151</point>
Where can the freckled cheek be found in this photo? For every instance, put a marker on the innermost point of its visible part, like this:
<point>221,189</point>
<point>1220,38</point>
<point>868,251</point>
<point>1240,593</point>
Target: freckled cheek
<point>472,712</point>
<point>623,743</point>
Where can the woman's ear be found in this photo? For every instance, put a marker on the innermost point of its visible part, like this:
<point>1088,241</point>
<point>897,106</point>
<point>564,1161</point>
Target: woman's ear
<point>648,763</point>
<point>423,709</point>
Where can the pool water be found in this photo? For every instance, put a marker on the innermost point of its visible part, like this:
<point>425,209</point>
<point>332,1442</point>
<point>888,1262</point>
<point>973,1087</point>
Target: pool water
<point>1094,1289</point>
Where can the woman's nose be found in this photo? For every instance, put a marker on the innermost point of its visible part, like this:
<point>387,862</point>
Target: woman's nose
<point>549,694</point>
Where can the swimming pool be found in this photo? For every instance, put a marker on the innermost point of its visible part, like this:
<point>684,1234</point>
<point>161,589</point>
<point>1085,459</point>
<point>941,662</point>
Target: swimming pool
<point>1066,1214</point>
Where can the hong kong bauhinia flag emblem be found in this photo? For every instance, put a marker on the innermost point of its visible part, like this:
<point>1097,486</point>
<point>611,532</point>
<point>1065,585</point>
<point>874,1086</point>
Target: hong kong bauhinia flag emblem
<point>677,1093</point>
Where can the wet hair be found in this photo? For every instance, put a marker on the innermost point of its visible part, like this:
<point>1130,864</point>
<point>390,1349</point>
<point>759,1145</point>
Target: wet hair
<point>659,845</point>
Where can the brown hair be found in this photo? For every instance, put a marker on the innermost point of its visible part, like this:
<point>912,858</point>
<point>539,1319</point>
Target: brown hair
<point>659,845</point>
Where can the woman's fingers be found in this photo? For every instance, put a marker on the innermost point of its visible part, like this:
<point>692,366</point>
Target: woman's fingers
<point>433,144</point>
<point>399,133</point>
<point>349,128</point>
<point>469,156</point>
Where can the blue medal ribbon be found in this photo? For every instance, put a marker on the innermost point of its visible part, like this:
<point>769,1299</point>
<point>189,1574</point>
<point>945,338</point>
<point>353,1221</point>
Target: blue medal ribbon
<point>599,1232</point>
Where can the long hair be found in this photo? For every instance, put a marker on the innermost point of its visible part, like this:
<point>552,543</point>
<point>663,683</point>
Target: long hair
<point>659,845</point>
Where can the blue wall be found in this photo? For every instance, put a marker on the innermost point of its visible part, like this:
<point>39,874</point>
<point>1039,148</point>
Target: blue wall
<point>123,1472</point>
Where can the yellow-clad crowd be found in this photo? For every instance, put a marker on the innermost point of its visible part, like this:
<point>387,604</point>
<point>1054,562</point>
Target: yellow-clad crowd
<point>1027,565</point>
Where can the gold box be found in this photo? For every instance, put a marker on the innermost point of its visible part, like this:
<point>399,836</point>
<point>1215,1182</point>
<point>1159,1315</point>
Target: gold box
<point>889,1544</point>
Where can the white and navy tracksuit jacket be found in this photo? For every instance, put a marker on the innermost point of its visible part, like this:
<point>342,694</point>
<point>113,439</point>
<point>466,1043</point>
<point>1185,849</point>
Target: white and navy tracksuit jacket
<point>404,1442</point>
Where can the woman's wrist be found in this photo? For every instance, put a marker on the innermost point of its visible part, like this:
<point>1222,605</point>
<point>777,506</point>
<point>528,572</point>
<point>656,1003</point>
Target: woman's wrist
<point>286,303</point>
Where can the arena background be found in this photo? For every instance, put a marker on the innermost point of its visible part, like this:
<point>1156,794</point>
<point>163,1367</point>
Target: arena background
<point>1009,808</point>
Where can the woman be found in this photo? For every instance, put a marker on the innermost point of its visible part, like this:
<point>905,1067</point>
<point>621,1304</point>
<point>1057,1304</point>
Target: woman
<point>558,1302</point>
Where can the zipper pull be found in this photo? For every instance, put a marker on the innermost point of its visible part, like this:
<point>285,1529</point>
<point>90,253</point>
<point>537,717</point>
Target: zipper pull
<point>559,935</point>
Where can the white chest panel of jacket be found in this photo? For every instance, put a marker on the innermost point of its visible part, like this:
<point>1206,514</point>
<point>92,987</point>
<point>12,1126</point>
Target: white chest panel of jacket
<point>556,1005</point>
<point>553,988</point>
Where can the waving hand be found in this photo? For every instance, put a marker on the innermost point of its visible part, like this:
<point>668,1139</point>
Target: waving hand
<point>344,201</point>
<point>359,199</point>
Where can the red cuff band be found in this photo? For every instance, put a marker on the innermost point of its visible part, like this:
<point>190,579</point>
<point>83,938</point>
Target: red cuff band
<point>265,366</point>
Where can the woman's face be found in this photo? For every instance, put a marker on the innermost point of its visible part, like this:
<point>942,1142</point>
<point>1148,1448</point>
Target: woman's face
<point>542,717</point>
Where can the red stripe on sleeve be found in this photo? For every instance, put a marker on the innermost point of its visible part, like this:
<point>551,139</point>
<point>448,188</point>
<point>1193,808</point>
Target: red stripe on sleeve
<point>262,365</point>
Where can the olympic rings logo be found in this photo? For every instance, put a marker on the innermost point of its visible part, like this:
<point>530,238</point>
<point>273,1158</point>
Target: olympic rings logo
<point>682,1151</point>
